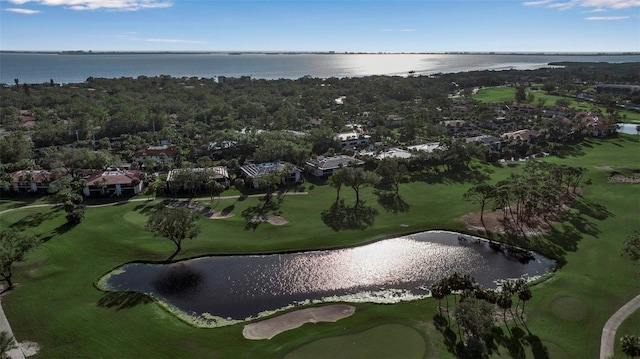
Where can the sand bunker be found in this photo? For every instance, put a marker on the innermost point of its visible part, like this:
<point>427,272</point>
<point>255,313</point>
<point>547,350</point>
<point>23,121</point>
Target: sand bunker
<point>213,214</point>
<point>268,328</point>
<point>204,211</point>
<point>273,220</point>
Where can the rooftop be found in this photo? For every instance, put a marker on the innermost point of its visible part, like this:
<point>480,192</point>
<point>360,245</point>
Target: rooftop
<point>326,163</point>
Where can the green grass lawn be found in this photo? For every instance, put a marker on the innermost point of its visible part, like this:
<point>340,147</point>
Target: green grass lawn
<point>57,306</point>
<point>507,94</point>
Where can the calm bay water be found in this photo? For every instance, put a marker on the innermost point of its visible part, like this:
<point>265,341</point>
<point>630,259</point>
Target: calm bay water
<point>43,67</point>
<point>240,287</point>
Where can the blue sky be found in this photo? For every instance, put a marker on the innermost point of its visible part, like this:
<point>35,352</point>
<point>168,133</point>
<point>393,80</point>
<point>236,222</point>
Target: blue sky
<point>319,25</point>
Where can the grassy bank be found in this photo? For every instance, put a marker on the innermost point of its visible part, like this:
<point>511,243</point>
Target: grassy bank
<point>57,306</point>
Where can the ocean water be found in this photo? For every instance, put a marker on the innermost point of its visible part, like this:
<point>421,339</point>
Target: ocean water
<point>64,68</point>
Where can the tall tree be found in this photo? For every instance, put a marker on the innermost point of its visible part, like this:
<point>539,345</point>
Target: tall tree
<point>481,194</point>
<point>391,172</point>
<point>174,224</point>
<point>13,248</point>
<point>520,94</point>
<point>357,178</point>
<point>15,147</point>
<point>336,180</point>
<point>475,316</point>
<point>214,188</point>
<point>68,193</point>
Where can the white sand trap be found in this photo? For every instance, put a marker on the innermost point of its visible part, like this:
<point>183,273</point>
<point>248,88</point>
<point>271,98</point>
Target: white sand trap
<point>274,220</point>
<point>269,328</point>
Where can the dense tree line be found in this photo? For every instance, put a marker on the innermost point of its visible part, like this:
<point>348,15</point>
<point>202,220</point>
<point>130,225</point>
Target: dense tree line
<point>105,121</point>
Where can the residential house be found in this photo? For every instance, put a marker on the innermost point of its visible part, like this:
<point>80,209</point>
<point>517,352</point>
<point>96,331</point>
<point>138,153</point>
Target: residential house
<point>426,147</point>
<point>113,183</point>
<point>500,123</point>
<point>451,127</point>
<point>161,154</point>
<point>289,173</point>
<point>32,180</point>
<point>595,125</point>
<point>394,121</point>
<point>492,142</point>
<point>394,153</point>
<point>27,120</point>
<point>353,139</point>
<point>526,136</point>
<point>326,166</point>
<point>197,178</point>
<point>522,107</point>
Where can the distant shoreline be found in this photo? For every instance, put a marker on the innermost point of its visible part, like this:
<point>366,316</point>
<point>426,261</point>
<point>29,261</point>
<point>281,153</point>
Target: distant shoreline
<point>81,52</point>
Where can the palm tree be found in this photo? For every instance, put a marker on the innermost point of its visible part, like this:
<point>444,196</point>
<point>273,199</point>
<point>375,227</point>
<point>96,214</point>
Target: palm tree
<point>524,294</point>
<point>505,302</point>
<point>437,292</point>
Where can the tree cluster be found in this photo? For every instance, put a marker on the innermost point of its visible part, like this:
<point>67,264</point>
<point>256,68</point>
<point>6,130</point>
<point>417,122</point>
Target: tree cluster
<point>528,198</point>
<point>475,311</point>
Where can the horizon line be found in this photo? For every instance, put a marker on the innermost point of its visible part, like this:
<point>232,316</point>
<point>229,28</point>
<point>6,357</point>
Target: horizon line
<point>239,52</point>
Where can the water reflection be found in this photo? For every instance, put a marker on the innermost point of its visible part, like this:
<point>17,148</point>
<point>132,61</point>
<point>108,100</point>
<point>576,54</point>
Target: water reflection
<point>240,287</point>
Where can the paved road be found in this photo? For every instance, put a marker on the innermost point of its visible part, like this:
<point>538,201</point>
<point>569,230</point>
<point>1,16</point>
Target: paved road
<point>607,342</point>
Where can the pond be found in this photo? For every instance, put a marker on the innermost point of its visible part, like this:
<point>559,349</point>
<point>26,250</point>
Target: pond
<point>219,290</point>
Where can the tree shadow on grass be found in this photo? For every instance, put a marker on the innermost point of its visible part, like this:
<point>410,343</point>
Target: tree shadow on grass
<point>228,209</point>
<point>392,201</point>
<point>516,342</point>
<point>144,208</point>
<point>33,220</point>
<point>455,176</point>
<point>450,338</point>
<point>590,208</point>
<point>123,300</point>
<point>537,348</point>
<point>254,215</point>
<point>341,217</point>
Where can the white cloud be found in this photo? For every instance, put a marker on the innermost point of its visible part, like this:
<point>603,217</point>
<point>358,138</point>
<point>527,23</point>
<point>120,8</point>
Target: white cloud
<point>600,5</point>
<point>122,5</point>
<point>536,3</point>
<point>22,11</point>
<point>606,18</point>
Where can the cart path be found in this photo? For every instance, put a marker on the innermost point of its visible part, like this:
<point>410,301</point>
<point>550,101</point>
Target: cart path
<point>607,342</point>
<point>148,200</point>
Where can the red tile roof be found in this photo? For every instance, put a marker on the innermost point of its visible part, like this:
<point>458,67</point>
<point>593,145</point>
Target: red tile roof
<point>114,178</point>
